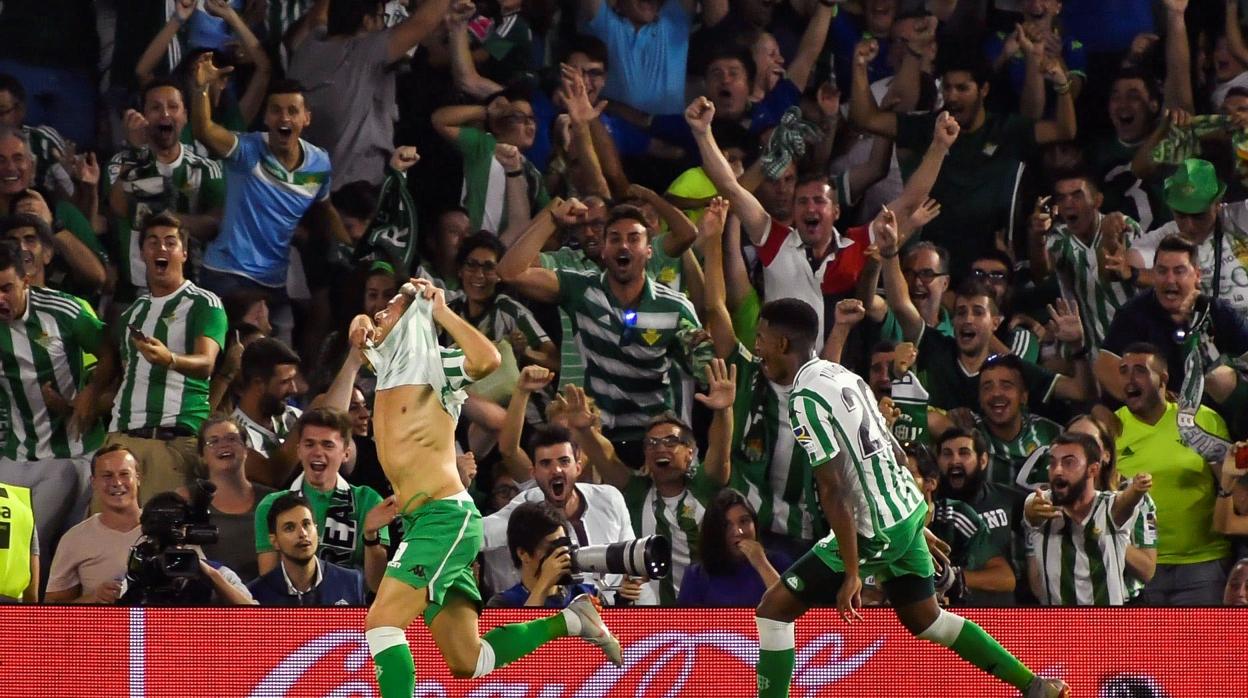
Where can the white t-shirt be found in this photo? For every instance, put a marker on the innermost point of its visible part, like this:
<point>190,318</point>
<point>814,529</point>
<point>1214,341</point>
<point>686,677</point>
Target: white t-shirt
<point>91,554</point>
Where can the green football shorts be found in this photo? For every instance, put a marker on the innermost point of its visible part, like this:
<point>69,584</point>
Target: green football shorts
<point>441,540</point>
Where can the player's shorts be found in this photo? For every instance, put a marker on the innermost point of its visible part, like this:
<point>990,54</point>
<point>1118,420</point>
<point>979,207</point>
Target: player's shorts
<point>899,560</point>
<point>441,541</point>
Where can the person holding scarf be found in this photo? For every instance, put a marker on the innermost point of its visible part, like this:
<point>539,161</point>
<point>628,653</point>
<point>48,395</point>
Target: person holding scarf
<point>352,519</point>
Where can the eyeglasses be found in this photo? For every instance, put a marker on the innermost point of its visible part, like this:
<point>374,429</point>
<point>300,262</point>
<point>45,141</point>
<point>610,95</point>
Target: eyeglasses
<point>671,441</point>
<point>483,267</point>
<point>925,275</point>
<point>232,439</point>
<point>982,274</point>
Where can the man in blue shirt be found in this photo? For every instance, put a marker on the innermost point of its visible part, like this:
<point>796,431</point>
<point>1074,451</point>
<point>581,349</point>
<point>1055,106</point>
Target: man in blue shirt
<point>534,531</point>
<point>301,578</point>
<point>273,180</point>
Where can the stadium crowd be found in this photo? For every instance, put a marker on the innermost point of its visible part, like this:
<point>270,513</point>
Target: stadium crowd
<point>1021,222</point>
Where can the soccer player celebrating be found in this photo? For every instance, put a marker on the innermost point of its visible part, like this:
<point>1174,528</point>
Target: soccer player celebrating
<point>877,516</point>
<point>419,393</point>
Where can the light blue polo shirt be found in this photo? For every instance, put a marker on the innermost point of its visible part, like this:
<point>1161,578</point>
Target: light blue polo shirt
<point>263,203</point>
<point>647,65</point>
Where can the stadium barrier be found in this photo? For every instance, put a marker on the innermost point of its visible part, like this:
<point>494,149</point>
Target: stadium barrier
<point>1108,653</point>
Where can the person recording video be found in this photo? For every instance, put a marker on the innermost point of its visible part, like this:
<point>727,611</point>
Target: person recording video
<point>533,539</point>
<point>167,567</point>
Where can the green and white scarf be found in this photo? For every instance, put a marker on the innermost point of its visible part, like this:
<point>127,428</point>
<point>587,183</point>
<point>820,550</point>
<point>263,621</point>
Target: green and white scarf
<point>1212,448</point>
<point>391,236</point>
<point>1180,144</point>
<point>339,532</point>
<point>688,524</point>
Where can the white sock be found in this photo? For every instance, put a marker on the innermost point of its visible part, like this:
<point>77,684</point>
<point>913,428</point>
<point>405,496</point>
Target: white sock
<point>485,660</point>
<point>944,630</point>
<point>573,621</point>
<point>774,635</point>
<point>381,639</point>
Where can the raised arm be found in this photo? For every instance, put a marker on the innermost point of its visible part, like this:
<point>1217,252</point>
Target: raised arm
<point>448,120</point>
<point>584,170</point>
<point>598,449</point>
<point>1177,89</point>
<point>253,97</point>
<point>849,312</point>
<point>896,291</point>
<point>1031,101</point>
<point>736,275</point>
<point>515,192</point>
<point>1065,126</point>
<point>464,71</point>
<point>418,25</point>
<point>338,395</point>
<point>316,17</point>
<point>863,111</point>
<point>744,204</point>
<point>924,177</point>
<point>219,140</point>
<point>681,231</point>
<point>517,462</point>
<point>1127,500</point>
<point>720,396</point>
<point>811,45</point>
<point>718,321</point>
<point>148,63</point>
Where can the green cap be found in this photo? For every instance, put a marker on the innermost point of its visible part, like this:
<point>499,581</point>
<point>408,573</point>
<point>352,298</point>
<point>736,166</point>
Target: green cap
<point>1193,188</point>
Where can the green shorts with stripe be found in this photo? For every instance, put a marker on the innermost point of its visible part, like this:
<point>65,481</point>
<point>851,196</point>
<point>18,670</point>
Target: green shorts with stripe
<point>441,541</point>
<point>899,560</point>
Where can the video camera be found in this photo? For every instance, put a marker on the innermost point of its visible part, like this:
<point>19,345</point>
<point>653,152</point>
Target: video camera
<point>649,557</point>
<point>162,569</point>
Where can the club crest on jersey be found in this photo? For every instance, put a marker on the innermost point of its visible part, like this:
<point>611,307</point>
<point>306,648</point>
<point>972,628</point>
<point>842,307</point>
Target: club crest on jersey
<point>651,336</point>
<point>801,434</point>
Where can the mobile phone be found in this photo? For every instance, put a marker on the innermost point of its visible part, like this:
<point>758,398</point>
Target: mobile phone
<point>136,332</point>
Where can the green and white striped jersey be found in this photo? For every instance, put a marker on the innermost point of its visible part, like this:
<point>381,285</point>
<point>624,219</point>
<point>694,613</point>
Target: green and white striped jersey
<point>773,475</point>
<point>266,439</point>
<point>1143,536</point>
<point>154,396</point>
<point>911,398</point>
<point>677,518</point>
<point>191,184</point>
<point>833,412</point>
<point>1082,563</point>
<point>45,345</point>
<point>628,352</point>
<point>503,316</point>
<point>1006,458</point>
<point>1079,276</point>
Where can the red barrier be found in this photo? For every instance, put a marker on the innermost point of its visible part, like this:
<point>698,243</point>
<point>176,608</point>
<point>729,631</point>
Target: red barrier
<point>67,651</point>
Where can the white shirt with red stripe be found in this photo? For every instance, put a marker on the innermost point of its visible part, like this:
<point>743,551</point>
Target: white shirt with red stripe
<point>787,273</point>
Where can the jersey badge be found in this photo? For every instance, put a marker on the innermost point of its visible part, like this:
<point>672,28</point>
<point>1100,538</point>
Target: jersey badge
<point>801,434</point>
<point>651,336</point>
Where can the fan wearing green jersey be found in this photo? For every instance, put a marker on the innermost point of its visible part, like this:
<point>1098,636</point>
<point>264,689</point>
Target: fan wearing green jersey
<point>163,348</point>
<point>963,459</point>
<point>1090,251</point>
<point>1077,555</point>
<point>163,175</point>
<point>877,517</point>
<point>1012,432</point>
<point>670,492</point>
<point>43,336</point>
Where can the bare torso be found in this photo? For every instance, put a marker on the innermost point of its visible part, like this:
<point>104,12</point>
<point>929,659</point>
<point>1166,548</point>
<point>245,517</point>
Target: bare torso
<point>416,445</point>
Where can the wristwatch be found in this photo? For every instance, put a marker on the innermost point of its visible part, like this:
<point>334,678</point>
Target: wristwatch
<point>376,539</point>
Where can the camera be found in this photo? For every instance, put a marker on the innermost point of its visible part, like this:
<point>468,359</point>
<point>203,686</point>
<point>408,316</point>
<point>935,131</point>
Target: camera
<point>162,569</point>
<point>650,557</point>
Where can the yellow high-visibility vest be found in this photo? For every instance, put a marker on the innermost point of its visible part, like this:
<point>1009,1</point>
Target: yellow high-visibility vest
<point>17,522</point>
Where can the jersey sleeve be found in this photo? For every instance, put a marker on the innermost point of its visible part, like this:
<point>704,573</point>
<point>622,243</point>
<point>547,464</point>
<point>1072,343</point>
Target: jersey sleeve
<point>212,190</point>
<point>208,319</point>
<point>89,332</point>
<point>246,151</point>
<point>453,368</point>
<point>262,522</point>
<point>1144,531</point>
<point>528,324</point>
<point>813,429</point>
<point>572,287</point>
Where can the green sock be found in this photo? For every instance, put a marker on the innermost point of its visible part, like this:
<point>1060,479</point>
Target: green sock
<point>396,673</point>
<point>977,647</point>
<point>513,641</point>
<point>775,671</point>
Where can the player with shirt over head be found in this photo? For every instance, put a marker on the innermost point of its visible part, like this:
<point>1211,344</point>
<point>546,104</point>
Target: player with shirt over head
<point>877,517</point>
<point>419,394</point>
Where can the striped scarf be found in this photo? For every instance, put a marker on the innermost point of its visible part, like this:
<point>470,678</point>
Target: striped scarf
<point>1212,448</point>
<point>687,524</point>
<point>1183,143</point>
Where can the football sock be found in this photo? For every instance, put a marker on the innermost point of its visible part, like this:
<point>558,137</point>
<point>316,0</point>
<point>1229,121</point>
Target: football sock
<point>775,657</point>
<point>514,640</point>
<point>970,642</point>
<point>392,660</point>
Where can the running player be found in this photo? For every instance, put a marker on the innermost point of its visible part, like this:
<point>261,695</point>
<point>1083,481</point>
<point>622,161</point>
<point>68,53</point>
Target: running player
<point>877,517</point>
<point>419,393</point>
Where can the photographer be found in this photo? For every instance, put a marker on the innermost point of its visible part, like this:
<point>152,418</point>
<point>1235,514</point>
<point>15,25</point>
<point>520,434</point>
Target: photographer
<point>167,566</point>
<point>533,538</point>
<point>301,578</point>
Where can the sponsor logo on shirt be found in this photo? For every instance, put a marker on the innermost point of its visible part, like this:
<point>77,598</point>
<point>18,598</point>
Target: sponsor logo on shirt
<point>801,434</point>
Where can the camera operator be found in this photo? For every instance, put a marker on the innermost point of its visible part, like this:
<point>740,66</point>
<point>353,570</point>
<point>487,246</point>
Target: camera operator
<point>596,514</point>
<point>301,578</point>
<point>533,539</point>
<point>167,566</point>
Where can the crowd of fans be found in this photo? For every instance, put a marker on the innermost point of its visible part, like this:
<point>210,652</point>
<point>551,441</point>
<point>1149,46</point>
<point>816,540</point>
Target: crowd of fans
<point>1021,222</point>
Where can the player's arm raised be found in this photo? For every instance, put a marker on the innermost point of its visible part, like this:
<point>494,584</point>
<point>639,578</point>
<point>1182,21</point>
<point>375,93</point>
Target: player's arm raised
<point>481,357</point>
